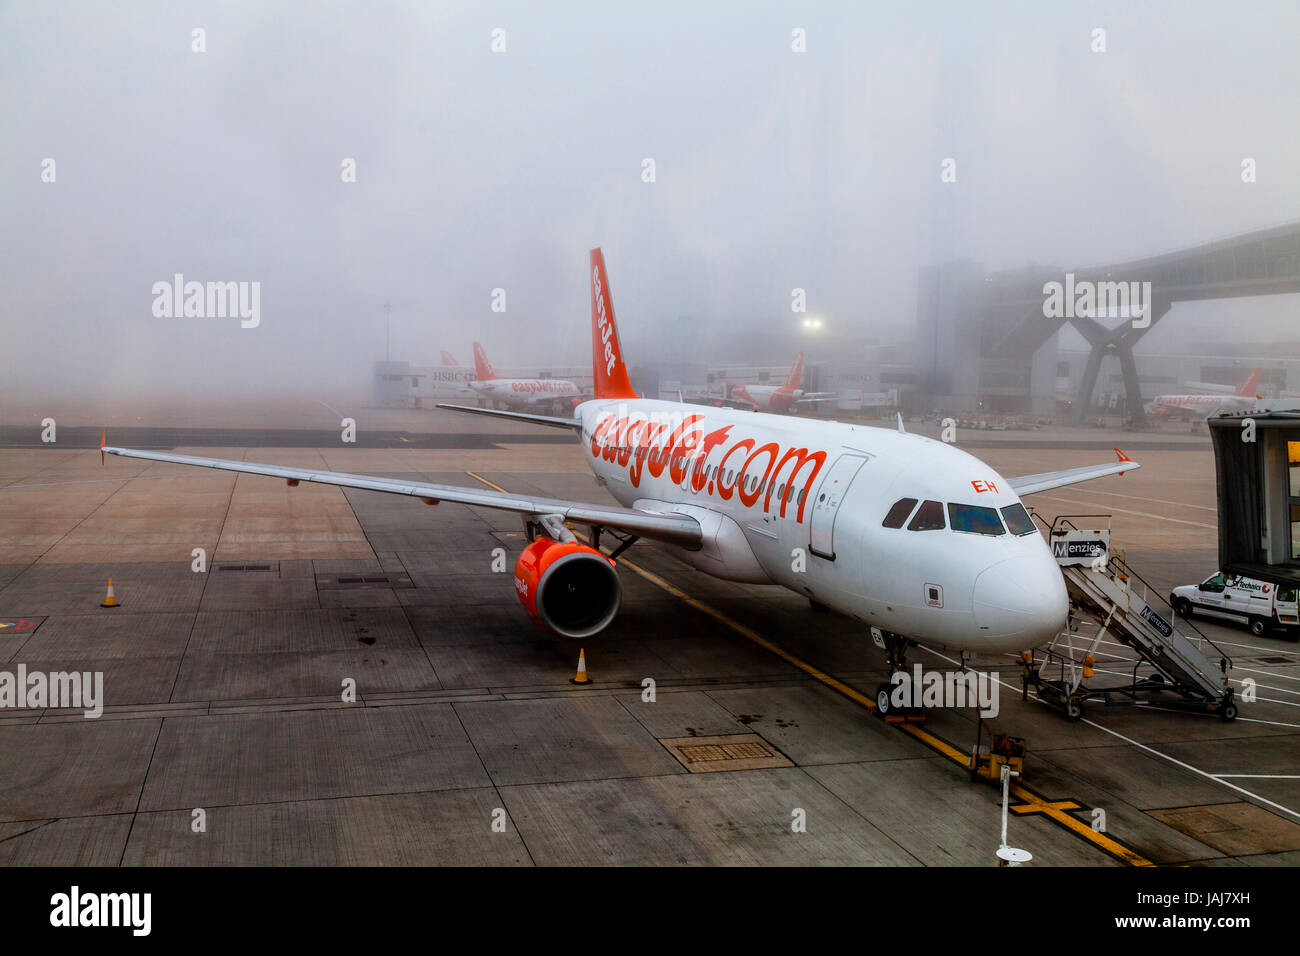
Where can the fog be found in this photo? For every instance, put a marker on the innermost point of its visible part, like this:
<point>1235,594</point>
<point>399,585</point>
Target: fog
<point>479,170</point>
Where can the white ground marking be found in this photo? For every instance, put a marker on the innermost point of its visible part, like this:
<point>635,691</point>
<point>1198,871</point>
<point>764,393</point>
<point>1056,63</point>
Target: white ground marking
<point>1099,504</point>
<point>1163,501</point>
<point>1129,740</point>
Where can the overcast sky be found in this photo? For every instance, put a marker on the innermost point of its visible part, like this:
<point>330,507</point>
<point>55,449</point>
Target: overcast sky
<point>479,170</point>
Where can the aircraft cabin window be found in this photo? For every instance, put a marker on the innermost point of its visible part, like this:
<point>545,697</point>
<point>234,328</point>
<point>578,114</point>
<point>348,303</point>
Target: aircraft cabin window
<point>929,517</point>
<point>898,514</point>
<point>974,519</point>
<point>1017,519</point>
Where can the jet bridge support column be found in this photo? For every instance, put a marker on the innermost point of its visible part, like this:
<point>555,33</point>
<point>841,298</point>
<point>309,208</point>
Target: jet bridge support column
<point>1118,341</point>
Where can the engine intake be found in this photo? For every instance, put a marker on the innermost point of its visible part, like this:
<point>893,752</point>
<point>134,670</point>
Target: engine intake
<point>570,588</point>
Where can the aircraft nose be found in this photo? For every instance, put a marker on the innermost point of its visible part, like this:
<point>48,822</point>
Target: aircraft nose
<point>1020,601</point>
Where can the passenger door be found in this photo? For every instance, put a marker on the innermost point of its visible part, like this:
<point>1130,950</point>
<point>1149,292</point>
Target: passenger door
<point>827,504</point>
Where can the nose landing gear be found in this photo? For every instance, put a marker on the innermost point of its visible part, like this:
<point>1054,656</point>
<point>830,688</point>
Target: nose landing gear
<point>896,647</point>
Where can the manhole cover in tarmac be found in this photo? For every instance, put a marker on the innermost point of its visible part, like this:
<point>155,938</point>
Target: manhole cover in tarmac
<point>1275,660</point>
<point>729,752</point>
<point>1237,829</point>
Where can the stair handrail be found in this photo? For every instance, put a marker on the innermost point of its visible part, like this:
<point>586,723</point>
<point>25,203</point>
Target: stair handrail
<point>1121,565</point>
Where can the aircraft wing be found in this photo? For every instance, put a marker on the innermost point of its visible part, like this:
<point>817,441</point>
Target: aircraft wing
<point>1028,484</point>
<point>818,397</point>
<point>672,528</point>
<point>552,420</point>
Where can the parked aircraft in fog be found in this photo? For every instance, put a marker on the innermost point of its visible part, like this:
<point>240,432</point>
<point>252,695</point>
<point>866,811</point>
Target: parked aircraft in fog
<point>554,393</point>
<point>917,539</point>
<point>786,397</point>
<point>1203,406</point>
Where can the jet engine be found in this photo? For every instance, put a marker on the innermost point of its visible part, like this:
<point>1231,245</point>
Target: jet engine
<point>568,587</point>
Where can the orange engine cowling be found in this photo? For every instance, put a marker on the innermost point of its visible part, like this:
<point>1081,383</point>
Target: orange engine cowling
<point>570,588</point>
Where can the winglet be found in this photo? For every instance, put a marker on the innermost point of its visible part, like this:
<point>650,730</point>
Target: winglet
<point>102,441</point>
<point>900,423</point>
<point>1122,456</point>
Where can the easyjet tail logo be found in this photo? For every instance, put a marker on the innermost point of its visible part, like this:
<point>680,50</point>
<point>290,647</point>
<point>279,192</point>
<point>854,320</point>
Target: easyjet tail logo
<point>603,325</point>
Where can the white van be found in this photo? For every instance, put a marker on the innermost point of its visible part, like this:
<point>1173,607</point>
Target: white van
<point>1259,604</point>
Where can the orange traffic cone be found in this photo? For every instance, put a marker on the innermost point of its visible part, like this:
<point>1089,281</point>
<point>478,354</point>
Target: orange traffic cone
<point>110,600</point>
<point>581,677</point>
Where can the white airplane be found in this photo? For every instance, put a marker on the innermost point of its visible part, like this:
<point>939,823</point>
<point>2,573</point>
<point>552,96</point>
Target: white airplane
<point>451,379</point>
<point>1203,406</point>
<point>520,392</point>
<point>778,398</point>
<point>918,540</point>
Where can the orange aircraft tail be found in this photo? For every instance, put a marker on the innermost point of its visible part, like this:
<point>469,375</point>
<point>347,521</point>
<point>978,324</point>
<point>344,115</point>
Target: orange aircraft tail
<point>448,358</point>
<point>796,375</point>
<point>482,367</point>
<point>608,367</point>
<point>1251,384</point>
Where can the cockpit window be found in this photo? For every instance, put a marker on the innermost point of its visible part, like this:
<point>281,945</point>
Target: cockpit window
<point>898,514</point>
<point>1017,519</point>
<point>929,517</point>
<point>974,519</point>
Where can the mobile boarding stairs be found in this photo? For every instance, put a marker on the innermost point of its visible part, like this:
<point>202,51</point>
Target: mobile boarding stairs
<point>1175,667</point>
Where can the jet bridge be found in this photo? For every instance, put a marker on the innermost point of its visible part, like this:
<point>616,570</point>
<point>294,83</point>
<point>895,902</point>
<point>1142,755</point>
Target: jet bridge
<point>1257,467</point>
<point>1174,667</point>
